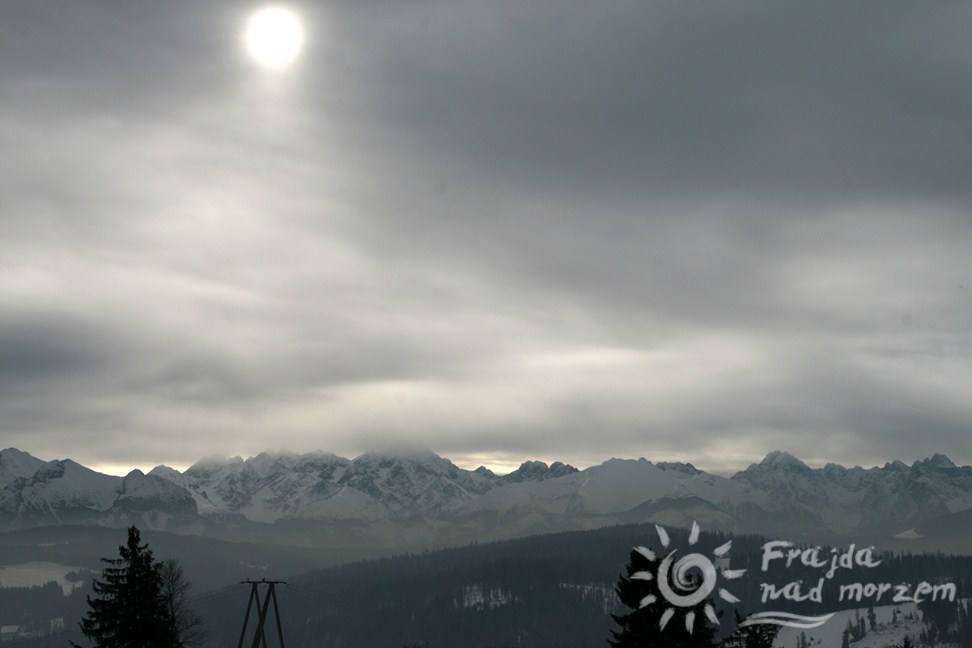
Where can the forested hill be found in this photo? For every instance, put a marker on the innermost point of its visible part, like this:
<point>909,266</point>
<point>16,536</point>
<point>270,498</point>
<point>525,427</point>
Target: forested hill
<point>551,590</point>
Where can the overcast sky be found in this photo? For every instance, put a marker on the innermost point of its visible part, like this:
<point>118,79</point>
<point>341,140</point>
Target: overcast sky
<point>506,230</point>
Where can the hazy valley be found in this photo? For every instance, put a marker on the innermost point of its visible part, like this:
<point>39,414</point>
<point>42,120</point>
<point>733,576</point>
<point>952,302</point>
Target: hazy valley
<point>530,549</point>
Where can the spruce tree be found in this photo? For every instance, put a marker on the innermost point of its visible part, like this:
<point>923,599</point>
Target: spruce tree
<point>129,609</point>
<point>642,627</point>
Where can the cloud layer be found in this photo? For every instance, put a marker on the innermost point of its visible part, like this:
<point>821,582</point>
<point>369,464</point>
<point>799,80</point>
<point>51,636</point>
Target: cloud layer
<point>558,230</point>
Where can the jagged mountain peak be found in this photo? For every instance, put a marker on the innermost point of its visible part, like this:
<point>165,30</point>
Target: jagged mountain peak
<point>560,466</point>
<point>619,462</point>
<point>401,495</point>
<point>165,472</point>
<point>16,464</point>
<point>267,459</point>
<point>401,459</point>
<point>13,454</point>
<point>937,460</point>
<point>321,456</point>
<point>414,461</point>
<point>530,464</point>
<point>58,468</point>
<point>679,466</point>
<point>538,471</point>
<point>212,463</point>
<point>782,460</point>
<point>399,453</point>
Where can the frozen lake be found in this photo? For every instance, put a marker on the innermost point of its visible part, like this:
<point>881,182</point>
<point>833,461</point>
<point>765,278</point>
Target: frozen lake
<point>38,573</point>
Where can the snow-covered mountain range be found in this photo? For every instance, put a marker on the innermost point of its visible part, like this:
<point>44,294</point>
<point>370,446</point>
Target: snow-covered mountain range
<point>415,499</point>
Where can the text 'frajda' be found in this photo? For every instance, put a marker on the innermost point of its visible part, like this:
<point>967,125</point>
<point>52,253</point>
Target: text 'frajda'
<point>782,554</point>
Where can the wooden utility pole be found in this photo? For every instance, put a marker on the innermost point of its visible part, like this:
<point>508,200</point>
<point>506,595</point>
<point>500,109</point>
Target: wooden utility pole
<point>260,637</point>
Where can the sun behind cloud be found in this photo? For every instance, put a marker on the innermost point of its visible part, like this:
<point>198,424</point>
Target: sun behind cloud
<point>274,36</point>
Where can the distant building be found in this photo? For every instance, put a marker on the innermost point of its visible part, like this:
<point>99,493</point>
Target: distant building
<point>9,632</point>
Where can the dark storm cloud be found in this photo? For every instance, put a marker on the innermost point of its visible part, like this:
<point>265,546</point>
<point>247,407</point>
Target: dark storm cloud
<point>37,348</point>
<point>817,101</point>
<point>736,123</point>
<point>565,230</point>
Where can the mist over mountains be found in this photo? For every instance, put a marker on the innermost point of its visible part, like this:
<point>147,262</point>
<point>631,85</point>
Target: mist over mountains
<point>406,500</point>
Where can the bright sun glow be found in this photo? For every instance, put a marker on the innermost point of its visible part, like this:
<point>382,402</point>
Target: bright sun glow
<point>274,37</point>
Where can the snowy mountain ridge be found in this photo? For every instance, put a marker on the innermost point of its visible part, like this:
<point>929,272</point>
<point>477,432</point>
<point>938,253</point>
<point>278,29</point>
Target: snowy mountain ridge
<point>416,498</point>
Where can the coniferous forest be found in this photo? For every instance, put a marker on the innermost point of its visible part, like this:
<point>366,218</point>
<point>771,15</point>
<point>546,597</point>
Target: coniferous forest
<point>551,590</point>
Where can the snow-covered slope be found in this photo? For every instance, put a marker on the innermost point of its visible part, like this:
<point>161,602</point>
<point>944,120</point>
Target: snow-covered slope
<point>64,489</point>
<point>15,464</point>
<point>842,500</point>
<point>618,491</point>
<point>416,498</point>
<point>894,623</point>
<point>373,486</point>
<point>146,492</point>
<point>780,495</point>
<point>65,492</point>
<point>263,488</point>
<point>612,487</point>
<point>587,499</point>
